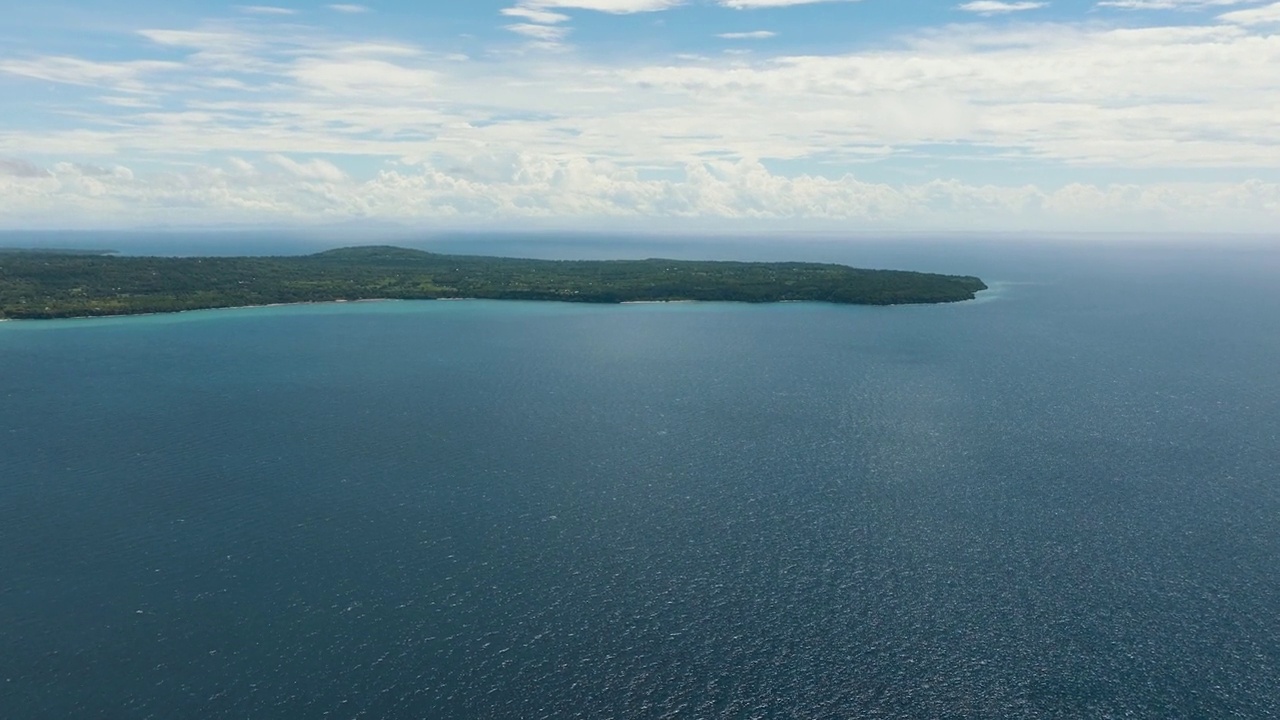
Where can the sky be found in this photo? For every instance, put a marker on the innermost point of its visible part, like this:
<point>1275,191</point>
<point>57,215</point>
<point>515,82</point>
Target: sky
<point>900,115</point>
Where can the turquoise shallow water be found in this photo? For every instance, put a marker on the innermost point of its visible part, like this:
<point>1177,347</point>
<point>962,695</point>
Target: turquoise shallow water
<point>1057,502</point>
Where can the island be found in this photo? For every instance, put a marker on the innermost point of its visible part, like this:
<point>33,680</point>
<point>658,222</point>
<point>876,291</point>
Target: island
<point>38,284</point>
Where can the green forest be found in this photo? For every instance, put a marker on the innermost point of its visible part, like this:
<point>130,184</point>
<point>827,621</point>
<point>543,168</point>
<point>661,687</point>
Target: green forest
<point>57,284</point>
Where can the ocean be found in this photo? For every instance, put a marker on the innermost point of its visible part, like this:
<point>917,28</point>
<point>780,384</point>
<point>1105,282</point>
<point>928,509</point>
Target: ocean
<point>1060,500</point>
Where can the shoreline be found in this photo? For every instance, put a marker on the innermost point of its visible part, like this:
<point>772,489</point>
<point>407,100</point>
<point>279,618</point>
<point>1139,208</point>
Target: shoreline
<point>976,299</point>
<point>208,309</point>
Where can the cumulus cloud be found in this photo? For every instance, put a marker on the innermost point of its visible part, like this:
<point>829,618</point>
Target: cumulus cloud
<point>315,169</point>
<point>15,167</point>
<point>532,187</point>
<point>1179,96</point>
<point>407,132</point>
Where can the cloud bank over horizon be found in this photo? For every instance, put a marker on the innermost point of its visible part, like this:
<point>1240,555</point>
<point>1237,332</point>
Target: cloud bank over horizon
<point>1134,116</point>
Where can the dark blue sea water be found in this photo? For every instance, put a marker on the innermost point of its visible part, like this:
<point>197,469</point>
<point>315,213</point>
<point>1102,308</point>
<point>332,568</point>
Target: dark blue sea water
<point>1059,501</point>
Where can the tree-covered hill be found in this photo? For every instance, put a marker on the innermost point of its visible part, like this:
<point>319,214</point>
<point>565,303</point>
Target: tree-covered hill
<point>37,284</point>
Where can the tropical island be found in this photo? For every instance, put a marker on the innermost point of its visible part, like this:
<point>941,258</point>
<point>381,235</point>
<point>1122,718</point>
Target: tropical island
<point>39,284</point>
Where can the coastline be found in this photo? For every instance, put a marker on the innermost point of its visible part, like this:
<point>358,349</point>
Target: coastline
<point>167,313</point>
<point>978,299</point>
<point>304,303</point>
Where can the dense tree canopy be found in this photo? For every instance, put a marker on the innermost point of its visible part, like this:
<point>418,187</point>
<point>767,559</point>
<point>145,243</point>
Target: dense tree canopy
<point>41,284</point>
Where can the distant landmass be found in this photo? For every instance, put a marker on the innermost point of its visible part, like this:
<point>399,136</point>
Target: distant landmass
<point>56,251</point>
<point>38,284</point>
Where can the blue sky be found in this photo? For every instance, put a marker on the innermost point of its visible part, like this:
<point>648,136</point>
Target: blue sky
<point>1130,115</point>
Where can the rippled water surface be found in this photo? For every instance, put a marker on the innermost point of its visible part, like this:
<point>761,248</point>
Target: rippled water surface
<point>1059,501</point>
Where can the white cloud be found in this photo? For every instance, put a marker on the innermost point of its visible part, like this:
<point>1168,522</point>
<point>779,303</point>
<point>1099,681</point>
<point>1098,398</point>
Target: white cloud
<point>753,35</point>
<point>542,20</point>
<point>1159,97</point>
<point>1268,15</point>
<point>15,167</point>
<point>316,169</point>
<point>528,187</point>
<point>122,76</point>
<point>1170,4</point>
<point>545,33</point>
<point>201,39</point>
<point>995,7</point>
<point>361,76</point>
<point>241,165</point>
<point>374,49</point>
<point>220,48</point>
<point>616,7</point>
<point>557,134</point>
<point>265,10</point>
<point>349,8</point>
<point>752,4</point>
<point>545,17</point>
<point>1156,97</point>
<point>125,101</point>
